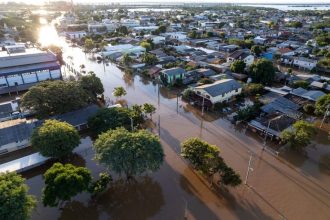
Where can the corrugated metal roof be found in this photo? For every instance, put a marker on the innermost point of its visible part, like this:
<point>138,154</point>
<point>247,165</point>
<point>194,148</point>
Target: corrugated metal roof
<point>29,68</point>
<point>26,59</point>
<point>18,132</point>
<point>220,87</point>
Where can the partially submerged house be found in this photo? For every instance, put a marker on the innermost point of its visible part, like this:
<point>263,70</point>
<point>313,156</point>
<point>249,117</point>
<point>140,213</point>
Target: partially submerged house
<point>171,76</point>
<point>220,91</point>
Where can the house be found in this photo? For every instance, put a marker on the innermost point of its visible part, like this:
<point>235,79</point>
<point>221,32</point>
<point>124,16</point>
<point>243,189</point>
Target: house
<point>311,95</point>
<point>130,23</point>
<point>241,55</point>
<point>78,118</point>
<point>219,91</point>
<point>259,40</point>
<point>154,71</point>
<point>75,35</point>
<point>170,76</point>
<point>123,49</point>
<point>8,109</point>
<point>96,28</point>
<point>305,63</point>
<point>284,106</point>
<point>15,134</point>
<point>156,39</point>
<point>179,36</point>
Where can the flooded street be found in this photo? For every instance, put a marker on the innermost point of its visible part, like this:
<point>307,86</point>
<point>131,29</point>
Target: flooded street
<point>289,186</point>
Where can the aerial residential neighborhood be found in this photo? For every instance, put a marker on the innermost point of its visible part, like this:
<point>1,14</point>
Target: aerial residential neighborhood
<point>164,110</point>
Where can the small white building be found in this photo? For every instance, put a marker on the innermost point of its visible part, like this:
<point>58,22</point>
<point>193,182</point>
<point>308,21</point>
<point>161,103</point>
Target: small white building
<point>179,36</point>
<point>241,55</point>
<point>156,39</point>
<point>130,23</point>
<point>75,35</point>
<point>219,91</point>
<point>259,40</point>
<point>305,63</point>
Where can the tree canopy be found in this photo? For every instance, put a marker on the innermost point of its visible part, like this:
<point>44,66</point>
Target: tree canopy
<point>111,118</point>
<point>92,86</point>
<point>55,139</point>
<point>119,92</point>
<point>322,104</point>
<point>129,153</point>
<point>256,50</point>
<point>15,203</point>
<point>149,109</point>
<point>262,71</point>
<point>149,58</point>
<point>62,182</point>
<point>238,66</point>
<point>299,136</point>
<point>206,158</point>
<point>54,97</point>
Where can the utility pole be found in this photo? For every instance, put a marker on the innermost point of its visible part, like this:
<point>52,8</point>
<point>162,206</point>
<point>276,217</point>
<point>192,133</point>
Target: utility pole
<point>159,125</point>
<point>248,169</point>
<point>325,115</point>
<point>203,106</point>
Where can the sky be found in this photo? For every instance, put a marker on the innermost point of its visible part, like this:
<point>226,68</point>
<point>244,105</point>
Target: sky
<point>194,1</point>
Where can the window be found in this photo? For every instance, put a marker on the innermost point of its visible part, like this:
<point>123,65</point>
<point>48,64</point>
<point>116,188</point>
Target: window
<point>198,92</point>
<point>208,97</point>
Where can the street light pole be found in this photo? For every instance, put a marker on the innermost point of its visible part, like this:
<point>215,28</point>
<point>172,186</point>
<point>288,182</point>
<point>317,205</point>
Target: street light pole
<point>248,170</point>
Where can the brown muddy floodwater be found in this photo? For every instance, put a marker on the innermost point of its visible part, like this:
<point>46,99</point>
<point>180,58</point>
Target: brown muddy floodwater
<point>288,186</point>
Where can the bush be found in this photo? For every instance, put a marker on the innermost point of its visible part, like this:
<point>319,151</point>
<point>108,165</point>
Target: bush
<point>205,81</point>
<point>253,88</point>
<point>309,108</point>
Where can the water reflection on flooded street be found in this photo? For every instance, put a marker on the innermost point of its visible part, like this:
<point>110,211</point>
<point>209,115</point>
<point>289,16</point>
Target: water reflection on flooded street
<point>291,186</point>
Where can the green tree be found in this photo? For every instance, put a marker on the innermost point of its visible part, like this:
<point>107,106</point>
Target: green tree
<point>111,118</point>
<point>54,97</point>
<point>127,59</point>
<point>92,86</point>
<point>323,39</point>
<point>15,203</point>
<point>322,104</point>
<point>229,177</point>
<point>55,139</point>
<point>129,153</point>
<point>301,83</point>
<point>253,89</point>
<point>119,92</point>
<point>149,109</point>
<point>193,34</point>
<point>99,186</point>
<point>309,108</point>
<point>256,50</point>
<point>149,59</point>
<point>122,30</point>
<point>89,44</point>
<point>146,45</point>
<point>62,182</point>
<point>299,136</point>
<point>162,28</point>
<point>262,71</point>
<point>205,158</point>
<point>238,66</point>
<point>201,155</point>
